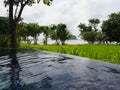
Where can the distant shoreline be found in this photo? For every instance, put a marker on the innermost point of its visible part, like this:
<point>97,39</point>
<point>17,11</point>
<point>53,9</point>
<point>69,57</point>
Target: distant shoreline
<point>67,42</point>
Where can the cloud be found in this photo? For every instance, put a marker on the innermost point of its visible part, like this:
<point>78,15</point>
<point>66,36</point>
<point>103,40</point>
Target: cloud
<point>70,12</point>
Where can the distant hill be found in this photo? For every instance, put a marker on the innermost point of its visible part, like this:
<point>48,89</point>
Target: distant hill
<point>73,37</point>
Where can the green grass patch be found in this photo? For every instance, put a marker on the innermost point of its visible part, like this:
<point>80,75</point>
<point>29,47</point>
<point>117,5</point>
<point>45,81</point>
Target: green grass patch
<point>103,52</point>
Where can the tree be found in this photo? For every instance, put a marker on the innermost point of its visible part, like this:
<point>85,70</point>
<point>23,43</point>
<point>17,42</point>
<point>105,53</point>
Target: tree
<point>54,34</point>
<point>22,32</point>
<point>101,37</point>
<point>15,11</point>
<point>4,34</point>
<point>94,23</point>
<point>89,32</point>
<point>3,25</point>
<point>111,27</point>
<point>90,37</point>
<point>46,32</point>
<point>84,28</point>
<point>63,33</point>
<point>34,31</point>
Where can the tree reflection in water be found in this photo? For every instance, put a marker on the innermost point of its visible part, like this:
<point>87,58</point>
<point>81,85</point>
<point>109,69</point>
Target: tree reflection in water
<point>16,82</point>
<point>14,72</point>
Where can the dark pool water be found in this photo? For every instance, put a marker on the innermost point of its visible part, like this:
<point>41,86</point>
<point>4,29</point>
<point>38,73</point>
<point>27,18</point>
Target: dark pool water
<point>41,70</point>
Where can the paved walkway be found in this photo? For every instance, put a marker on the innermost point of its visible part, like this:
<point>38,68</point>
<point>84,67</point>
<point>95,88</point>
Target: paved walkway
<point>41,70</point>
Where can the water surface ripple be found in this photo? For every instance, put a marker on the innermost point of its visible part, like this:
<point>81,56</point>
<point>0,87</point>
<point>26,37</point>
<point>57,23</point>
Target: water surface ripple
<point>41,70</point>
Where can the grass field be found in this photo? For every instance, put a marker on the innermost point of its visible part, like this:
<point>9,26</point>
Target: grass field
<point>103,52</point>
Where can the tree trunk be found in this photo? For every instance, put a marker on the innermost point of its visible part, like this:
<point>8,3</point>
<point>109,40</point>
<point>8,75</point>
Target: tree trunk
<point>13,40</point>
<point>45,40</point>
<point>12,26</point>
<point>63,42</point>
<point>57,42</point>
<point>35,40</point>
<point>13,37</point>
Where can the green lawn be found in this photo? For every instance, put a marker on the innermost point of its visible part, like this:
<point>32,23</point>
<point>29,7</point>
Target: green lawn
<point>103,52</point>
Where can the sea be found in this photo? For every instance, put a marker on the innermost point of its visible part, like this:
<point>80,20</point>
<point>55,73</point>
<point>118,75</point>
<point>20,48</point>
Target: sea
<point>66,42</point>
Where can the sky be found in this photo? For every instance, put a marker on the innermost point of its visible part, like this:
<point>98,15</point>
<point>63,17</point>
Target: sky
<point>69,12</point>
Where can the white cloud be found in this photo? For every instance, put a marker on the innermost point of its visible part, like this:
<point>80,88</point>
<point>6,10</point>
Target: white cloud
<point>70,12</point>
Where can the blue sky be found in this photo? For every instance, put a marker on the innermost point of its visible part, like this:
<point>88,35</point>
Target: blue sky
<point>70,12</point>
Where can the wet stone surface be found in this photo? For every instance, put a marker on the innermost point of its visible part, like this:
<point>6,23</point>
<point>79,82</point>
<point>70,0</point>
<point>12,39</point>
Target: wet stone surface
<point>40,70</point>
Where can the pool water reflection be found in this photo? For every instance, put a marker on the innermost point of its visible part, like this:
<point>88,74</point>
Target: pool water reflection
<point>40,70</point>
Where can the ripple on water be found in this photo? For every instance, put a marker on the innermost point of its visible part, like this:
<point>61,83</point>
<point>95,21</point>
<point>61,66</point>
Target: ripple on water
<point>40,70</point>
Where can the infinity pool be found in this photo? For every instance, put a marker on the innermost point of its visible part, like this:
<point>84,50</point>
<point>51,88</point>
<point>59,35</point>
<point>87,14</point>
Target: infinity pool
<point>41,70</point>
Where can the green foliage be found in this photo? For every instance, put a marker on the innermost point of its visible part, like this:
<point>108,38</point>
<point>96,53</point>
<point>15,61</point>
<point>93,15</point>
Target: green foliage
<point>54,34</point>
<point>111,27</point>
<point>46,32</point>
<point>16,8</point>
<point>4,33</point>
<point>84,28</point>
<point>89,32</point>
<point>4,25</point>
<point>27,2</point>
<point>4,40</point>
<point>104,52</point>
<point>94,23</point>
<point>34,31</point>
<point>63,33</point>
<point>22,30</point>
<point>90,37</point>
<point>59,33</point>
<point>101,37</point>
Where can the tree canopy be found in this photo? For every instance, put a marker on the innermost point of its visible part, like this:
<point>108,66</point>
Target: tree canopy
<point>16,8</point>
<point>89,32</point>
<point>63,33</point>
<point>4,34</point>
<point>111,27</point>
<point>34,31</point>
<point>94,23</point>
<point>4,21</point>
